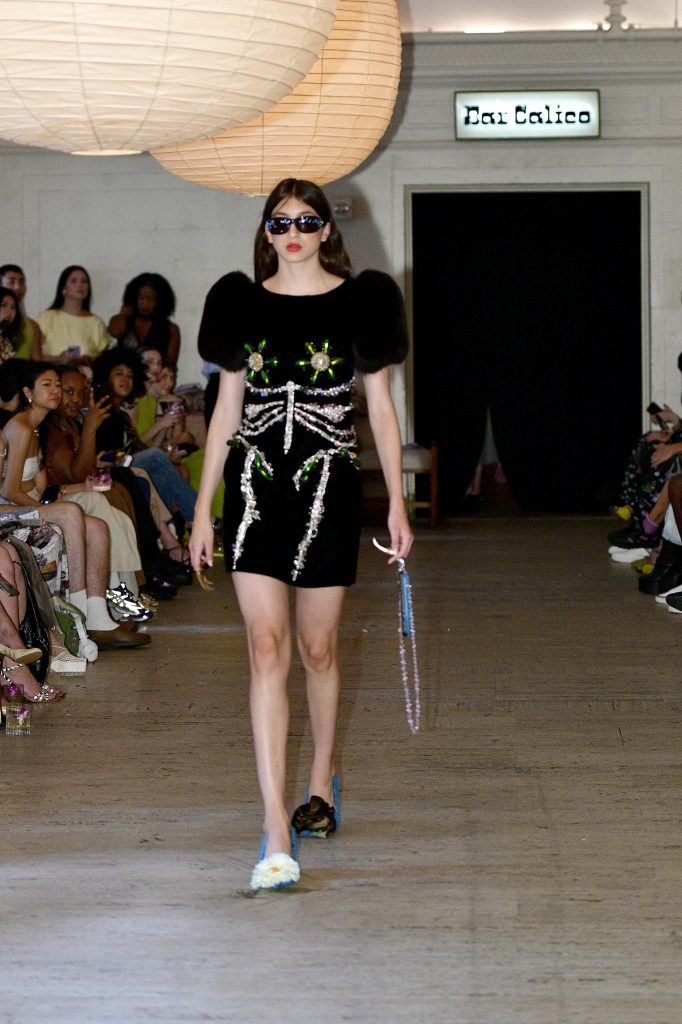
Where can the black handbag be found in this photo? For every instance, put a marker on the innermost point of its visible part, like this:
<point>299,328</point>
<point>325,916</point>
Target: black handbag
<point>39,616</point>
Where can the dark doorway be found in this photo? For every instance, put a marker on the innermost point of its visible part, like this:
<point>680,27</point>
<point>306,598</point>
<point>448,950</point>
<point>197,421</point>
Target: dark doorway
<point>529,304</point>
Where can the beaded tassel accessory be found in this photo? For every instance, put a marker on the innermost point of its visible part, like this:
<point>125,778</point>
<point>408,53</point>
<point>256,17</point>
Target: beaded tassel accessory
<point>411,688</point>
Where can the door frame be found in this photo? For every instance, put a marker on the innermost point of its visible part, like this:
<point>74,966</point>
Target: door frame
<point>611,281</point>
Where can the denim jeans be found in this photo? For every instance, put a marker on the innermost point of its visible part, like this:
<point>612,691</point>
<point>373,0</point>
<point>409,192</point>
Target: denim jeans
<point>174,490</point>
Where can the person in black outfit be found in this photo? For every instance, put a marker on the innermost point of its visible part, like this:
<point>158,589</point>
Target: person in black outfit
<point>289,346</point>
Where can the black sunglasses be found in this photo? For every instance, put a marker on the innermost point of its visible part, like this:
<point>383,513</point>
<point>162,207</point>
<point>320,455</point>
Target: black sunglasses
<point>307,224</point>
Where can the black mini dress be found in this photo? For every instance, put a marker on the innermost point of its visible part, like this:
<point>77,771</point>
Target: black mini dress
<point>292,494</point>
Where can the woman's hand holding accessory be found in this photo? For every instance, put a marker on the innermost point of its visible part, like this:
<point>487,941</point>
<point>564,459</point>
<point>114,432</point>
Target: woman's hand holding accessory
<point>411,689</point>
<point>203,580</point>
<point>401,534</point>
<point>201,543</point>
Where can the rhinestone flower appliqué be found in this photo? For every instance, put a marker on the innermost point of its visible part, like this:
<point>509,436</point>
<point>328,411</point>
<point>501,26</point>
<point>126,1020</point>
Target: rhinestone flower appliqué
<point>257,363</point>
<point>320,361</point>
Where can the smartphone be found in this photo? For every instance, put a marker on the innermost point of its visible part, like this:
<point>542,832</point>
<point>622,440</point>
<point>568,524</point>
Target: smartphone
<point>653,408</point>
<point>100,389</point>
<point>50,494</point>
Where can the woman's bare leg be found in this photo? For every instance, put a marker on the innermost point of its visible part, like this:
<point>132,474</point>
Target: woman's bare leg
<point>8,601</point>
<point>318,614</point>
<point>69,518</point>
<point>264,604</point>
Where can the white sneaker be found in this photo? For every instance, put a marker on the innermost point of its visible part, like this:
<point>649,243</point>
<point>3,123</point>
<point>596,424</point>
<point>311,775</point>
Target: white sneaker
<point>628,555</point>
<point>68,664</point>
<point>675,611</point>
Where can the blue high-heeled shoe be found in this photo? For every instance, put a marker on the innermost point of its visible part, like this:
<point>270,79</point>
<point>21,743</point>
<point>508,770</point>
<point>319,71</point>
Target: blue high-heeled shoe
<point>278,870</point>
<point>316,817</point>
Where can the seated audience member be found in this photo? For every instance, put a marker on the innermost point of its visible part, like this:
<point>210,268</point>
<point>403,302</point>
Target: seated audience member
<point>87,537</point>
<point>160,421</point>
<point>70,329</point>
<point>160,415</point>
<point>10,325</point>
<point>144,320</point>
<point>146,402</point>
<point>122,374</point>
<point>31,336</point>
<point>643,495</point>
<point>71,455</point>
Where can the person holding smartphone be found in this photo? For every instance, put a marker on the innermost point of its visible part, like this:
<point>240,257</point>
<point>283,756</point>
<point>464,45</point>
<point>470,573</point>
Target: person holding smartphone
<point>71,455</point>
<point>87,536</point>
<point>160,415</point>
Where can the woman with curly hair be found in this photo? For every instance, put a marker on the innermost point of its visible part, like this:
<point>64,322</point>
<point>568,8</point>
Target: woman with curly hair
<point>120,373</point>
<point>148,305</point>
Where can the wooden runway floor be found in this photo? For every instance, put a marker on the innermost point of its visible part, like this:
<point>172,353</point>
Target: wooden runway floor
<point>516,863</point>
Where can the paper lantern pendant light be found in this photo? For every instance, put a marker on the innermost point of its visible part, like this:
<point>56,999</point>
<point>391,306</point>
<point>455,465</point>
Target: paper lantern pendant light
<point>325,128</point>
<point>96,76</point>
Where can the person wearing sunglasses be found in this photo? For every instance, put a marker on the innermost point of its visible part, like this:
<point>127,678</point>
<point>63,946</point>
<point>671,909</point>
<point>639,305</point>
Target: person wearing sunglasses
<point>290,346</point>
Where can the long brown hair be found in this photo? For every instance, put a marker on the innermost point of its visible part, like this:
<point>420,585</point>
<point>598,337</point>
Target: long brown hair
<point>333,255</point>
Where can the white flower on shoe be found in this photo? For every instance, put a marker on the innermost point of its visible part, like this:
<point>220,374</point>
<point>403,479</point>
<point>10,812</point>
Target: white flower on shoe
<point>275,871</point>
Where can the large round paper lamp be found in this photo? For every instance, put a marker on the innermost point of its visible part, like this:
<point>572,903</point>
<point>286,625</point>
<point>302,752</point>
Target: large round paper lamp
<point>98,77</point>
<point>325,128</point>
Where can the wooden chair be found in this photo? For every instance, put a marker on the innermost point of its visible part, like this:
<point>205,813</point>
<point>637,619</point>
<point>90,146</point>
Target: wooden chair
<point>417,461</point>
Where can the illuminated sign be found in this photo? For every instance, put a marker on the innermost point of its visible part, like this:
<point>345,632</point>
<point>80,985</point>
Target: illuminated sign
<point>560,114</point>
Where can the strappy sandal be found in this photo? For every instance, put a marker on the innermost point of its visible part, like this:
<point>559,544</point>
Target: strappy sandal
<point>47,695</point>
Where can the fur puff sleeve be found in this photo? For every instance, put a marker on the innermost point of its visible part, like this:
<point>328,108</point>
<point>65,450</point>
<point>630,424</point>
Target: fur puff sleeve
<point>227,321</point>
<point>380,328</point>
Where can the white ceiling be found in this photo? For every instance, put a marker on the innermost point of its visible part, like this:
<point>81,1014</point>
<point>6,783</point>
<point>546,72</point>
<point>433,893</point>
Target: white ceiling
<point>529,15</point>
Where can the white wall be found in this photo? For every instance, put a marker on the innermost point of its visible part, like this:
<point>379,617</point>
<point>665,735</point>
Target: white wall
<point>120,216</point>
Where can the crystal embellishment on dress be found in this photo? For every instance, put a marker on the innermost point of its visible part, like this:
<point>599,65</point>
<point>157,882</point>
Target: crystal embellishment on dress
<point>325,456</point>
<point>254,459</point>
<point>257,362</point>
<point>324,411</point>
<point>320,361</point>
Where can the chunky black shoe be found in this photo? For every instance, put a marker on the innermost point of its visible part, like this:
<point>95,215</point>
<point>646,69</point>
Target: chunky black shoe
<point>314,818</point>
<point>166,568</point>
<point>667,571</point>
<point>674,601</point>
